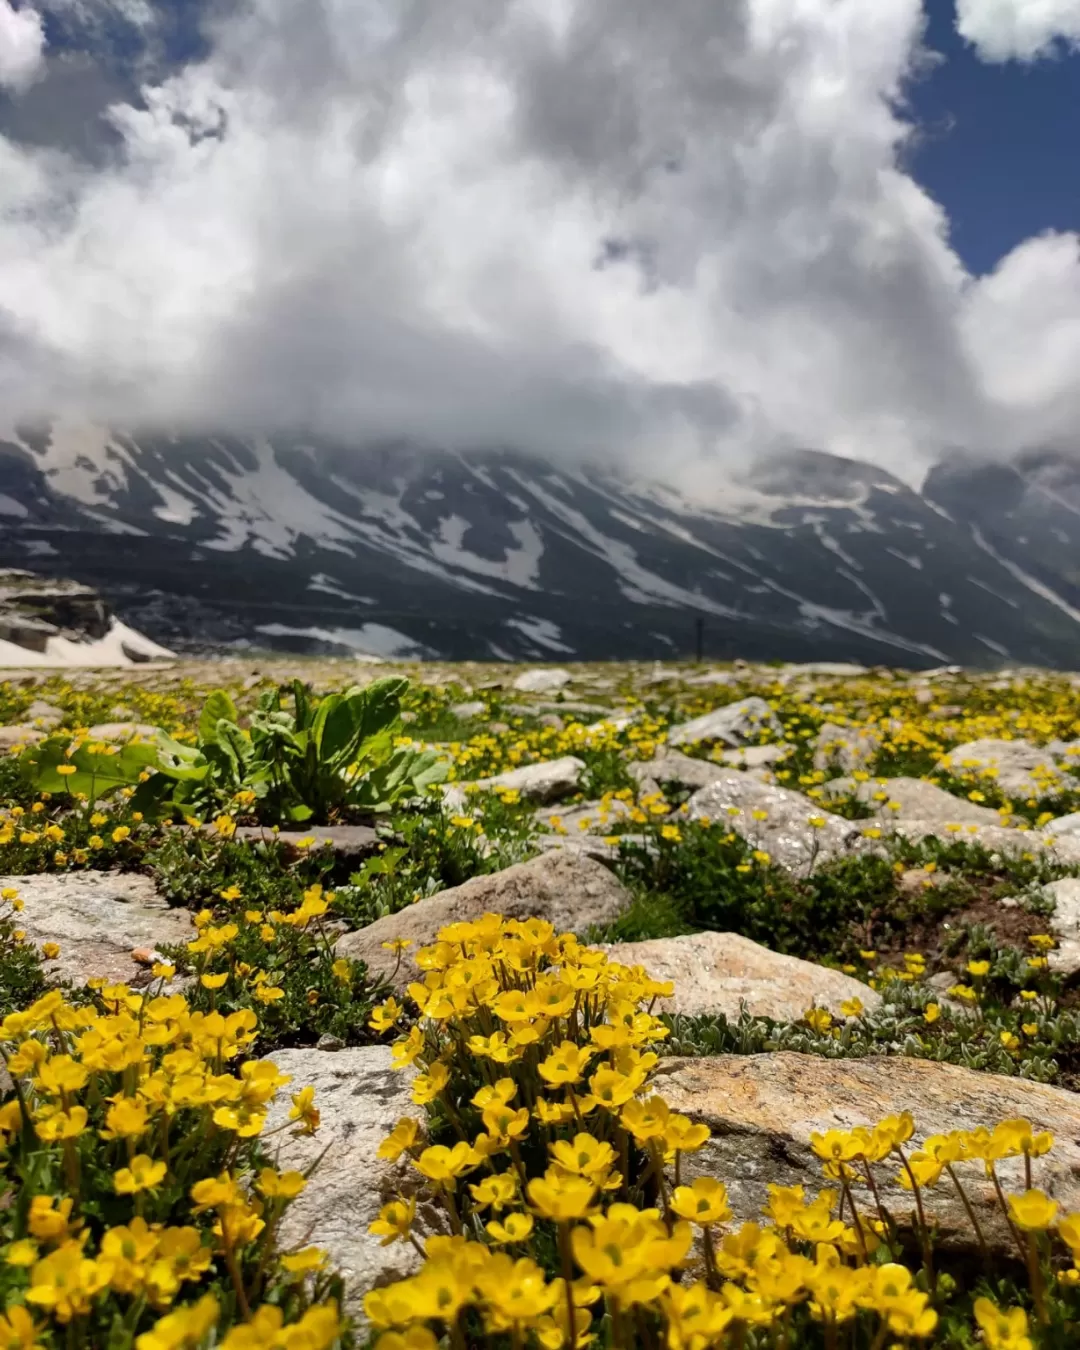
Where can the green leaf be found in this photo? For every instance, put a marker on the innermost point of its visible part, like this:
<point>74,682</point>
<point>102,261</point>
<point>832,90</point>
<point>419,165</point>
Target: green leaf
<point>97,773</point>
<point>217,707</point>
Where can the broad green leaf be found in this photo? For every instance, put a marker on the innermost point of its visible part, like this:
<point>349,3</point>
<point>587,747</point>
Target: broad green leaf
<point>217,707</point>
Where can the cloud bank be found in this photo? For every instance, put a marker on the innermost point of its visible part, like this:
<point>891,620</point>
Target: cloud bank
<point>1023,30</point>
<point>22,47</point>
<point>576,226</point>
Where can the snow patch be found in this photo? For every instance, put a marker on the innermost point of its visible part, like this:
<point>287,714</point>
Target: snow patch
<point>542,631</point>
<point>371,639</point>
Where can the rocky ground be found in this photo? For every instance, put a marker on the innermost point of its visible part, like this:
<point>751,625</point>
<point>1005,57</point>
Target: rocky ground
<point>864,885</point>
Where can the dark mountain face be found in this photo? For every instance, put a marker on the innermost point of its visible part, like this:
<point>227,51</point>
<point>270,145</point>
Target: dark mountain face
<point>281,543</point>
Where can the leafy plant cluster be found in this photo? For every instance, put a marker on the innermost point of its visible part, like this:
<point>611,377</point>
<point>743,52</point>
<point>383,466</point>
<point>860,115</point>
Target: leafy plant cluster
<point>302,759</point>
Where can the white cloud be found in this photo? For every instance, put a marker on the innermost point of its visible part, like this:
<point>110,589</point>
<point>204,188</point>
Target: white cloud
<point>1003,30</point>
<point>22,47</point>
<point>584,226</point>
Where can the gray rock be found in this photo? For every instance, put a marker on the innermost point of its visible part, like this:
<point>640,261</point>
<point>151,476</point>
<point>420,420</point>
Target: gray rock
<point>574,706</point>
<point>570,891</point>
<point>785,833</point>
<point>1018,768</point>
<point>477,708</point>
<point>1062,825</point>
<point>348,842</point>
<point>98,919</point>
<point>762,1109</point>
<point>713,677</point>
<point>830,669</point>
<point>845,749</point>
<point>1065,923</point>
<point>545,782</point>
<point>998,839</point>
<point>552,721</point>
<point>671,766</point>
<point>122,731</point>
<point>544,680</point>
<point>755,756</point>
<point>13,738</point>
<point>360,1099</point>
<point>724,972</point>
<point>596,816</point>
<point>44,713</point>
<point>734,725</point>
<point>917,799</point>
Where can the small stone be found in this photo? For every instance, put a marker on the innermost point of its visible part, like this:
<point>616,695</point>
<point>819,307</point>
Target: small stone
<point>13,738</point>
<point>350,843</point>
<point>329,1043</point>
<point>122,731</point>
<point>673,767</point>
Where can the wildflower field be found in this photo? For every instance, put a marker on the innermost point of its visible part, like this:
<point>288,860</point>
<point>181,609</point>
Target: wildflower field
<point>474,878</point>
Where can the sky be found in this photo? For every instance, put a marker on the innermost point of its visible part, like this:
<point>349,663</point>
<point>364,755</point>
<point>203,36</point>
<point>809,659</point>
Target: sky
<point>679,233</point>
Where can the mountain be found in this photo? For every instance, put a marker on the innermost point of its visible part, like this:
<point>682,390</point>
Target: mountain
<point>216,540</point>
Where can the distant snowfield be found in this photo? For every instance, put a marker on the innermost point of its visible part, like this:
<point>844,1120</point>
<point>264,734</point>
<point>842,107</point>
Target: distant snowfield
<point>372,639</point>
<point>121,646</point>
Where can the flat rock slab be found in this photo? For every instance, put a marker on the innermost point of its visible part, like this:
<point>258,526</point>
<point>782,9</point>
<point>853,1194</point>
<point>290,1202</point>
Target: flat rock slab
<point>916,798</point>
<point>122,731</point>
<point>1018,768</point>
<point>736,799</point>
<point>568,889</point>
<point>994,838</point>
<point>723,972</point>
<point>734,725</point>
<point>360,1098</point>
<point>349,842</point>
<point>763,1108</point>
<point>1065,894</point>
<point>545,782</point>
<point>98,919</point>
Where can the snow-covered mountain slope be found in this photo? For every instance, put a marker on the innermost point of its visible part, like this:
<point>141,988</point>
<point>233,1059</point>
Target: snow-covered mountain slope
<point>394,551</point>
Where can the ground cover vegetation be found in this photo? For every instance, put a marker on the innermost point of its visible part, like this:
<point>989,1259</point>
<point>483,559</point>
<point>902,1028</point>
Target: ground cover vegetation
<point>141,1204</point>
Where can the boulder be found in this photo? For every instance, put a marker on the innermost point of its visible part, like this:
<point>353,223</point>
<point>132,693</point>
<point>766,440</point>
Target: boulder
<point>845,749</point>
<point>98,920</point>
<point>545,782</point>
<point>571,891</point>
<point>735,724</point>
<point>763,1108</point>
<point>916,798</point>
<point>351,843</point>
<point>1018,768</point>
<point>360,1099</point>
<point>543,680</point>
<point>713,677</point>
<point>722,972</point>
<point>785,831</point>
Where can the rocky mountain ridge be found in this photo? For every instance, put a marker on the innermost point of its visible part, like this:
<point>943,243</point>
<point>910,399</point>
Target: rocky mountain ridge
<point>277,543</point>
